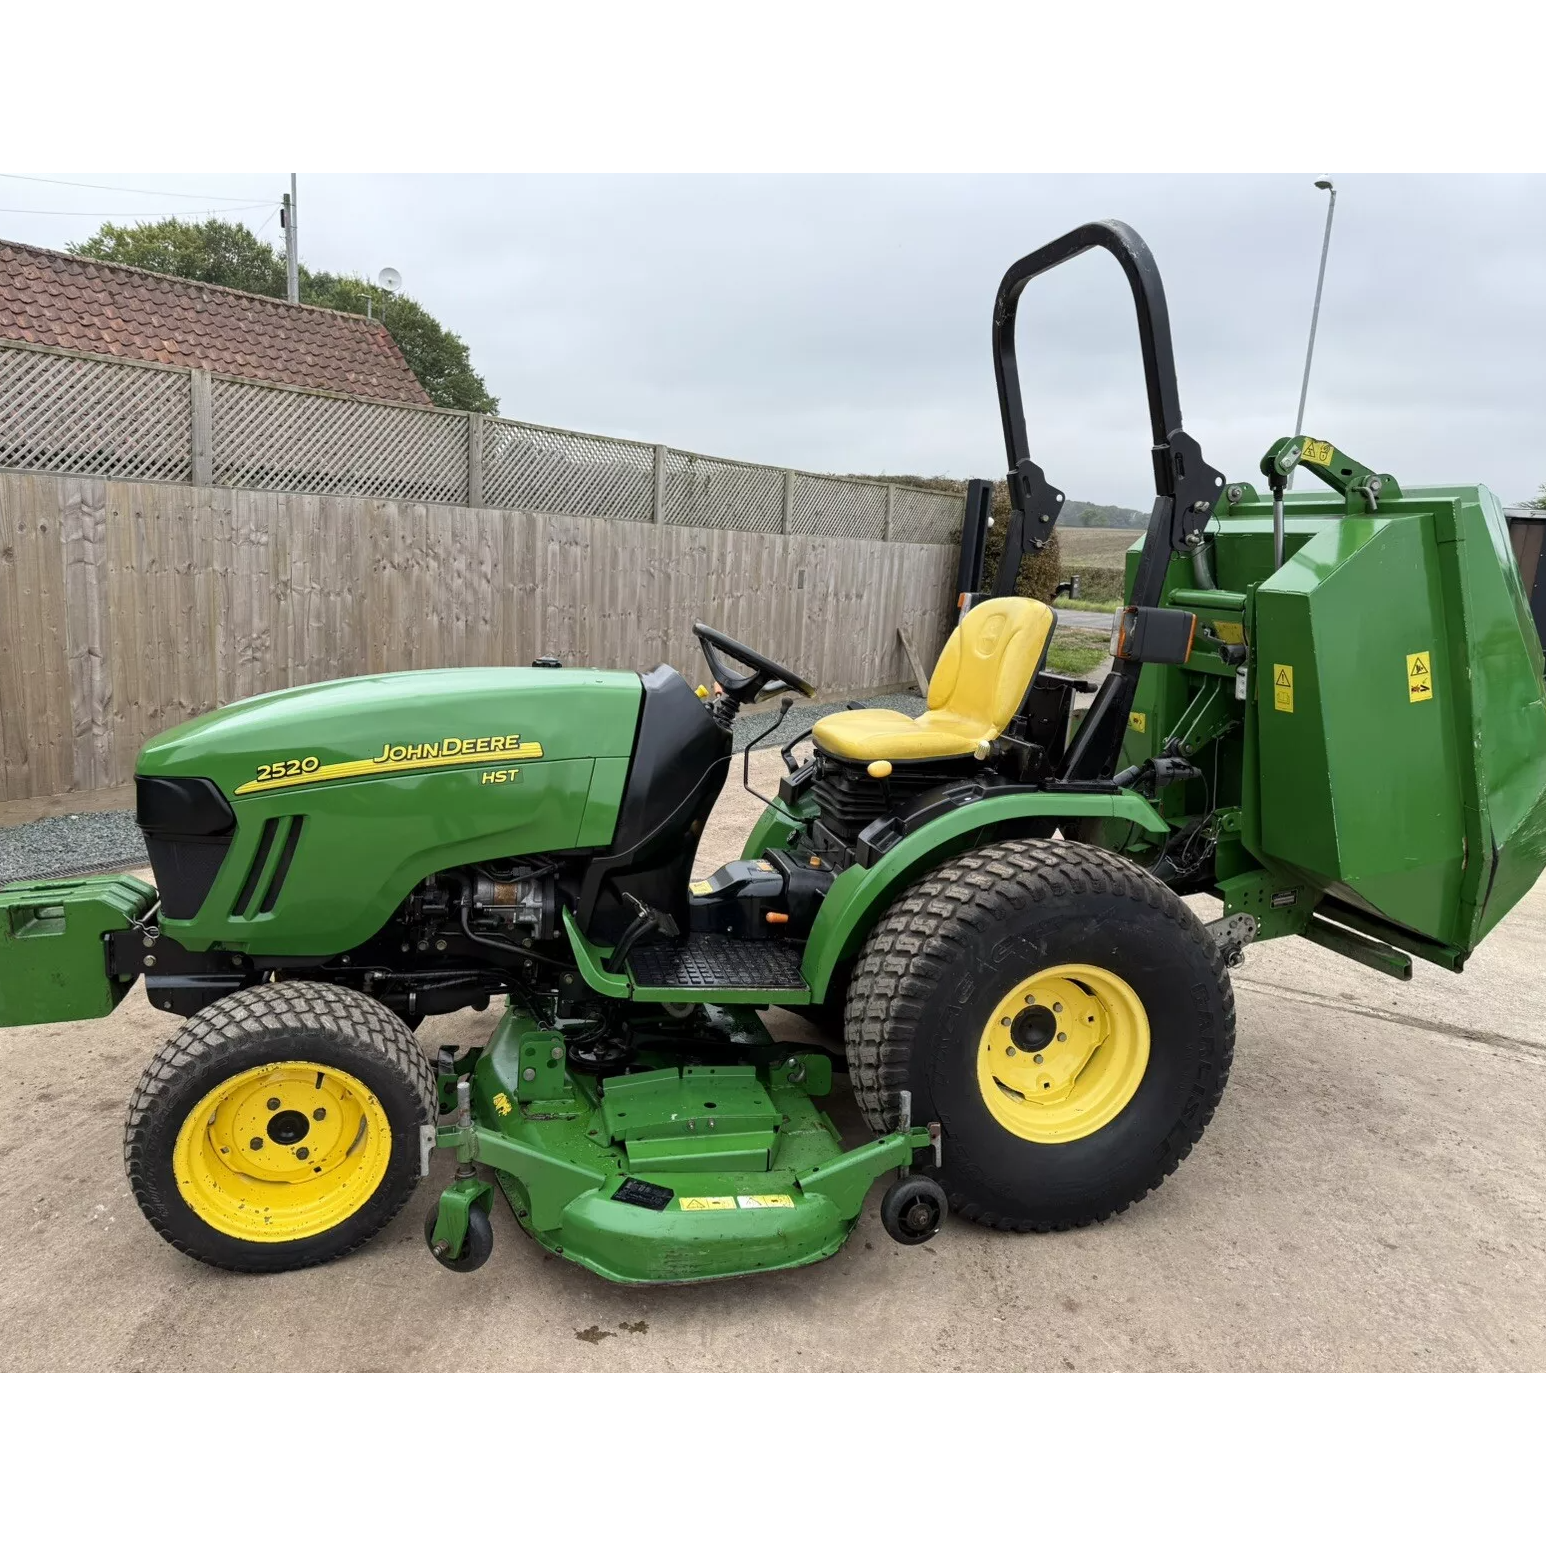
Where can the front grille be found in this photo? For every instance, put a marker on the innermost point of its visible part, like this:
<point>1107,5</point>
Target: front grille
<point>185,869</point>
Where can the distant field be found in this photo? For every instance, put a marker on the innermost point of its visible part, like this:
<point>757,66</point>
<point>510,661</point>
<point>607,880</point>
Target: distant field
<point>1100,545</point>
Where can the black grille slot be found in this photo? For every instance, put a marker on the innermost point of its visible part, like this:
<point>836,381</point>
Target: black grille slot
<point>254,874</point>
<point>286,854</point>
<point>849,799</point>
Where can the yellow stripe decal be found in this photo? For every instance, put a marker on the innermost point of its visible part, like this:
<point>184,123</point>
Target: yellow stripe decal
<point>367,765</point>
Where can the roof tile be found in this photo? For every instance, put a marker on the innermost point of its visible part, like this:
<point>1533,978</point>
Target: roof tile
<point>74,303</point>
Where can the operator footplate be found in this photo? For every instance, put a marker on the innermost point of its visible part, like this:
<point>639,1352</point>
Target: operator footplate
<point>712,961</point>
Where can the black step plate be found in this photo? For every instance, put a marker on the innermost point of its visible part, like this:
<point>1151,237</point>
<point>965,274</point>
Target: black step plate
<point>714,961</point>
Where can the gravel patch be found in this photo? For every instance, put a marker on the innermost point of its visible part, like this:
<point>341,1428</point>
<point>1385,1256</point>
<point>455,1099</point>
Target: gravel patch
<point>804,714</point>
<point>71,845</point>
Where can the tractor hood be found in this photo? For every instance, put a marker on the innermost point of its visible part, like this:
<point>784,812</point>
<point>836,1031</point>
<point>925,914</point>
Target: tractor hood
<point>402,723</point>
<point>295,823</point>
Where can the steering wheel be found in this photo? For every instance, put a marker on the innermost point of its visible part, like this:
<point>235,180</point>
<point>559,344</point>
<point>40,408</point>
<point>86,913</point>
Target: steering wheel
<point>765,678</point>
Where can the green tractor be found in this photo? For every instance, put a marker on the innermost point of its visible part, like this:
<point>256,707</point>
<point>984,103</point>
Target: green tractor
<point>1325,710</point>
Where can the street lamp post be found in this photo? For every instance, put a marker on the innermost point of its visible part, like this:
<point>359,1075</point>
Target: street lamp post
<point>1325,184</point>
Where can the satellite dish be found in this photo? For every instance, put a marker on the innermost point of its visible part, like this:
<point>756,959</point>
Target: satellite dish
<point>390,280</point>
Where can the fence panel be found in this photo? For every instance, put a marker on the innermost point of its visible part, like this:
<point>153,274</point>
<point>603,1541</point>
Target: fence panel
<point>65,413</point>
<point>925,515</point>
<point>127,607</point>
<point>80,415</point>
<point>528,467</point>
<point>307,443</point>
<point>705,491</point>
<point>835,507</point>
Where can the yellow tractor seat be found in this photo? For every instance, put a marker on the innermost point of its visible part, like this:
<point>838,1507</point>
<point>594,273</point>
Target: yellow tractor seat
<point>978,685</point>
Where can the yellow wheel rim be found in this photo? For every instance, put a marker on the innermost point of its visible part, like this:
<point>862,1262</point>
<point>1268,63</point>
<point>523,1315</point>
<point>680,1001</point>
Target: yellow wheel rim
<point>282,1152</point>
<point>1063,1053</point>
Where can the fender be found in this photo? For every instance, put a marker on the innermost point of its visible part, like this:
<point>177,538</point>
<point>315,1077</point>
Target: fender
<point>860,894</point>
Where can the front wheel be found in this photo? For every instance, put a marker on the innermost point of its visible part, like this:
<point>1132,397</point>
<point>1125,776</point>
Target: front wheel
<point>280,1128</point>
<point>1061,1014</point>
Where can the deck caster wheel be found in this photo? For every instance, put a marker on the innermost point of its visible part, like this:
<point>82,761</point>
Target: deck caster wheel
<point>913,1209</point>
<point>476,1248</point>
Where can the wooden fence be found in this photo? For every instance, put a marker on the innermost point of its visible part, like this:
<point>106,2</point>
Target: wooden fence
<point>126,608</point>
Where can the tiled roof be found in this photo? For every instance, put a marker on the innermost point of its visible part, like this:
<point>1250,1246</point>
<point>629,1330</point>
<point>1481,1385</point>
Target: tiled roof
<point>108,308</point>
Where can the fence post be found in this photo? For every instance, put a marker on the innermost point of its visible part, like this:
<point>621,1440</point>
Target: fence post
<point>787,519</point>
<point>886,531</point>
<point>475,460</point>
<point>658,512</point>
<point>202,448</point>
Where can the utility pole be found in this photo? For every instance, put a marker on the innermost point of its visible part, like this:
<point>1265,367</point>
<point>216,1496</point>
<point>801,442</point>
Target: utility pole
<point>1325,185</point>
<point>292,246</point>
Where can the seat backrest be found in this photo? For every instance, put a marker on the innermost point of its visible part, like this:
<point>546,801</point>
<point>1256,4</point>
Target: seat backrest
<point>989,660</point>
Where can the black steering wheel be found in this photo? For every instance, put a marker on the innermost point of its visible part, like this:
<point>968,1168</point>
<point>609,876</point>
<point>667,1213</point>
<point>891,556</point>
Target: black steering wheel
<point>765,678</point>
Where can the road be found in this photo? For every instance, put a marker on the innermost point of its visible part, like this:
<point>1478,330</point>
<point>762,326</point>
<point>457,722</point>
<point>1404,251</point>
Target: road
<point>1371,1195</point>
<point>1070,617</point>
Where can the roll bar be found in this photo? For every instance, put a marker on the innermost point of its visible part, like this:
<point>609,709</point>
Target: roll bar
<point>1186,488</point>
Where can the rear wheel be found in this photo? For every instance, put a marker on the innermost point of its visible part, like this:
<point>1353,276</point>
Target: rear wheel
<point>1061,1014</point>
<point>280,1127</point>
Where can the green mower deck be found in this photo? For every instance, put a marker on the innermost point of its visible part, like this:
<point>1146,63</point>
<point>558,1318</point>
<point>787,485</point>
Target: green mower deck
<point>672,1174</point>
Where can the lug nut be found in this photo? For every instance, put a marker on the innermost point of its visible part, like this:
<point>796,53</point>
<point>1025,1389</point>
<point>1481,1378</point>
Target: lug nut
<point>303,1154</point>
<point>319,1114</point>
<point>1057,1009</point>
<point>273,1103</point>
<point>1009,1052</point>
<point>1062,1035</point>
<point>257,1143</point>
<point>1037,1058</point>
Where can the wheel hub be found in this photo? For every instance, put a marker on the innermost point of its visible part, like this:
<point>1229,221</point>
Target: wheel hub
<point>1062,1053</point>
<point>282,1151</point>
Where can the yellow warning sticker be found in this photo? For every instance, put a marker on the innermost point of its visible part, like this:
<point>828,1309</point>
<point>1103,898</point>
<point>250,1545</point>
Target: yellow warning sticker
<point>767,1200</point>
<point>1419,677</point>
<point>1138,722</point>
<point>700,887</point>
<point>1317,451</point>
<point>1230,633</point>
<point>1283,689</point>
<point>705,1204</point>
<point>502,1103</point>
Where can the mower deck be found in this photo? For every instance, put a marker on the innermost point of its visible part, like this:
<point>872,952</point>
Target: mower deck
<point>676,1172</point>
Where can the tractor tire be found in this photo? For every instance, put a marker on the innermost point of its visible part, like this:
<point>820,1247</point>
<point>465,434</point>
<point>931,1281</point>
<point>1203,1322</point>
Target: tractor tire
<point>280,1127</point>
<point>1060,1013</point>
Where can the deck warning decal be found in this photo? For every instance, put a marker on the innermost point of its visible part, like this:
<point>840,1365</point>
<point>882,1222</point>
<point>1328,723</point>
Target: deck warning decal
<point>1283,689</point>
<point>767,1200</point>
<point>705,1204</point>
<point>1419,678</point>
<point>1316,451</point>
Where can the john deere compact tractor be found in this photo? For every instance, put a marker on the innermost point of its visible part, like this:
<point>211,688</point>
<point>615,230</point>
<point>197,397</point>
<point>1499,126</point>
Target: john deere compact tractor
<point>1325,711</point>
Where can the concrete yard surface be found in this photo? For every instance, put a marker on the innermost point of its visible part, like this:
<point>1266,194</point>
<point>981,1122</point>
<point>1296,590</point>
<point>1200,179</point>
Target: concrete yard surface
<point>1370,1195</point>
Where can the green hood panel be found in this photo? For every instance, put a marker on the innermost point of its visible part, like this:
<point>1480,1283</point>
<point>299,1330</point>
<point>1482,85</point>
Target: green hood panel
<point>567,713</point>
<point>391,778</point>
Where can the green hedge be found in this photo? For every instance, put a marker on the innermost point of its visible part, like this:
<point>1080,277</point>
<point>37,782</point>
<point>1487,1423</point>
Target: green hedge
<point>1095,584</point>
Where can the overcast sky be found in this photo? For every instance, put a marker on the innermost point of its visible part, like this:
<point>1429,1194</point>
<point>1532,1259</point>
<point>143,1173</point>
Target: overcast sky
<point>841,324</point>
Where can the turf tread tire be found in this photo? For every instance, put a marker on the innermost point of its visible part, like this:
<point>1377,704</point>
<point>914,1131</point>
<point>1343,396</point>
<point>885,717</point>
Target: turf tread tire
<point>250,1027</point>
<point>921,942</point>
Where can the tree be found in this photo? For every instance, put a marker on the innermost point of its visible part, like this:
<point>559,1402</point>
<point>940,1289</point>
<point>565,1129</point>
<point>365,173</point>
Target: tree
<point>1539,503</point>
<point>220,252</point>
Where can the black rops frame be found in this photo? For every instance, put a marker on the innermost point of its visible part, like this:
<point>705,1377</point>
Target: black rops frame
<point>1185,486</point>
